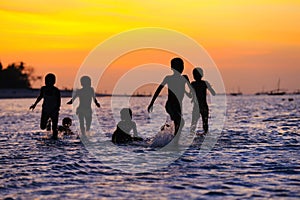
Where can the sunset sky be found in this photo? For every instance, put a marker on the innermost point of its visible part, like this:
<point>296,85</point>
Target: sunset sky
<point>253,43</point>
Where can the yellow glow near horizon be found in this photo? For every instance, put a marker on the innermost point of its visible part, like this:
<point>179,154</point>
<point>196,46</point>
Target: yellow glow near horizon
<point>230,29</point>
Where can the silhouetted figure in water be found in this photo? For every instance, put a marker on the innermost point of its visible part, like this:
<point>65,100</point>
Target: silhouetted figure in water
<point>51,104</point>
<point>84,111</point>
<point>176,89</point>
<point>65,127</point>
<point>200,104</point>
<point>122,134</point>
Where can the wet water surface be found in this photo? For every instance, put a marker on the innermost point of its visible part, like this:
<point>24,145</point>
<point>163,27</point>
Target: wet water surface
<point>257,156</point>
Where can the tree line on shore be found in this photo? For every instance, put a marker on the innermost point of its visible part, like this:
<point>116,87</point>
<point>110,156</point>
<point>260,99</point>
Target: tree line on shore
<point>17,75</point>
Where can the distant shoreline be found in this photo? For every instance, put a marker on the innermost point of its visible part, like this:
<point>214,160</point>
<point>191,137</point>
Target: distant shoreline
<point>8,93</point>
<point>33,93</point>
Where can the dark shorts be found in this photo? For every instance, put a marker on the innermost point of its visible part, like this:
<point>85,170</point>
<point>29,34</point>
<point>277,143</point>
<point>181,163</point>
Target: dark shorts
<point>174,110</point>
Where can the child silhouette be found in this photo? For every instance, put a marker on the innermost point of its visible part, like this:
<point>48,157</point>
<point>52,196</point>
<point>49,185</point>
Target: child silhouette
<point>84,111</point>
<point>122,134</point>
<point>51,104</point>
<point>65,127</point>
<point>200,106</point>
<point>176,89</point>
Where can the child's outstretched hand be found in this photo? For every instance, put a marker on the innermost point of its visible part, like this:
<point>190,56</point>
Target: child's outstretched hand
<point>70,102</point>
<point>32,107</point>
<point>97,104</point>
<point>150,108</point>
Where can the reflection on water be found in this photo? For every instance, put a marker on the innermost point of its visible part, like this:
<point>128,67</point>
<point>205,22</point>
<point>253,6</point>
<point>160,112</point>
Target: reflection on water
<point>257,156</point>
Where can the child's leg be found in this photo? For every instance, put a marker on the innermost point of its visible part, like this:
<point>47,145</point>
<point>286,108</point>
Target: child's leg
<point>195,118</point>
<point>44,120</point>
<point>174,110</point>
<point>81,122</point>
<point>178,122</point>
<point>204,115</point>
<point>48,126</point>
<point>88,121</point>
<point>54,119</point>
<point>179,125</point>
<point>205,123</point>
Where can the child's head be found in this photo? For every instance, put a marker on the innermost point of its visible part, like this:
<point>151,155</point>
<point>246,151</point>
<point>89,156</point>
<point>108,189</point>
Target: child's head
<point>50,79</point>
<point>177,64</point>
<point>86,81</point>
<point>126,114</point>
<point>67,122</point>
<point>198,73</point>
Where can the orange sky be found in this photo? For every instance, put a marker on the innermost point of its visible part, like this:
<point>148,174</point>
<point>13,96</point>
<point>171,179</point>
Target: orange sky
<point>254,43</point>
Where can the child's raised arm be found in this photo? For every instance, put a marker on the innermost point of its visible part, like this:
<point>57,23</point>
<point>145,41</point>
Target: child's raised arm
<point>95,100</point>
<point>75,95</point>
<point>97,103</point>
<point>38,99</point>
<point>211,90</point>
<point>190,93</point>
<point>158,90</point>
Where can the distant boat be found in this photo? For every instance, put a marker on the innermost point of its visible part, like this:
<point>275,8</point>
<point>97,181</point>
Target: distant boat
<point>261,93</point>
<point>238,93</point>
<point>277,91</point>
<point>296,91</point>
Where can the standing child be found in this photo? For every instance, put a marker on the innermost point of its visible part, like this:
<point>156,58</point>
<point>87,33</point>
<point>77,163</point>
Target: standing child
<point>84,111</point>
<point>51,104</point>
<point>200,104</point>
<point>124,127</point>
<point>176,89</point>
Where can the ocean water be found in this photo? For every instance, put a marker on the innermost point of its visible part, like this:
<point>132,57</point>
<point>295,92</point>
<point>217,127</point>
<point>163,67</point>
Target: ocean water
<point>256,155</point>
